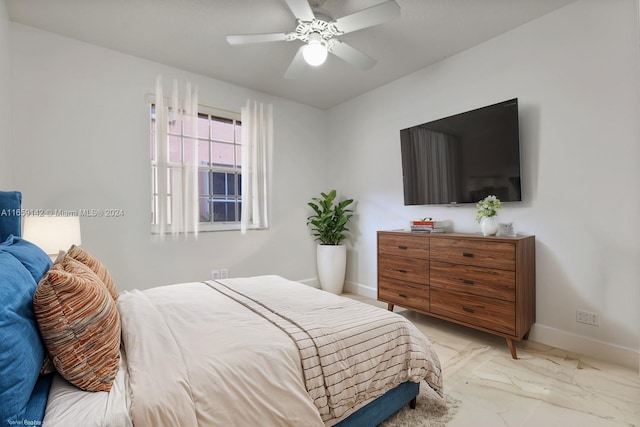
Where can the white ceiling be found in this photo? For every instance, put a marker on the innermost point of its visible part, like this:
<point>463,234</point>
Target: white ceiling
<point>190,34</point>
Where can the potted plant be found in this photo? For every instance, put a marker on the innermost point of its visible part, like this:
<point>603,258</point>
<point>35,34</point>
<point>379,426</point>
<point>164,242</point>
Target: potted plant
<point>486,211</point>
<point>328,226</point>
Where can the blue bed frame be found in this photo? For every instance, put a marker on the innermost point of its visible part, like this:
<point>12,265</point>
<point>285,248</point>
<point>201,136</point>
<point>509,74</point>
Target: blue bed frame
<point>383,407</point>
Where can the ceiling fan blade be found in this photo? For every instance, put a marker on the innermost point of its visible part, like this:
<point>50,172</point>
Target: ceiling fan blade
<point>234,39</point>
<point>301,9</point>
<point>369,17</point>
<point>351,55</point>
<point>297,66</point>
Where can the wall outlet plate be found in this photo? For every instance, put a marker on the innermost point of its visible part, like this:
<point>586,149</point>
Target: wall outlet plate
<point>587,317</point>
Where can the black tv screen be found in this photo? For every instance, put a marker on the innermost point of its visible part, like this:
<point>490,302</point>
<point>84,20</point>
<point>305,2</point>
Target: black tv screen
<point>463,158</point>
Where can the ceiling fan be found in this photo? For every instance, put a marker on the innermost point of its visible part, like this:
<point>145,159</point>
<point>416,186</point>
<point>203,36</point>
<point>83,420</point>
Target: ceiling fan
<point>318,31</point>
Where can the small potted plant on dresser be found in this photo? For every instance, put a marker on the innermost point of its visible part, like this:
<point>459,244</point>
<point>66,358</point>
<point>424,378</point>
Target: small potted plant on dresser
<point>486,211</point>
<point>328,226</point>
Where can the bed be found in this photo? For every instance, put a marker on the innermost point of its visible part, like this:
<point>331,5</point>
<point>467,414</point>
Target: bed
<point>244,351</point>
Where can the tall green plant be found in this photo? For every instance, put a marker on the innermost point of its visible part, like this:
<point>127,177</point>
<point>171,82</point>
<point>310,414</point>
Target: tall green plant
<point>329,221</point>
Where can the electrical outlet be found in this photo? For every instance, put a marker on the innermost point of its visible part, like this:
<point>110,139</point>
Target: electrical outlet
<point>588,317</point>
<point>215,274</point>
<point>581,316</point>
<point>224,273</point>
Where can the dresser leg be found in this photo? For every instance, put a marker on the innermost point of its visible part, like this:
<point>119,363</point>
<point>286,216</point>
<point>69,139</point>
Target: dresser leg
<point>512,348</point>
<point>389,306</point>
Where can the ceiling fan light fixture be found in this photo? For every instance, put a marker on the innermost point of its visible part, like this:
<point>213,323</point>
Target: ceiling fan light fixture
<point>315,52</point>
<point>320,34</point>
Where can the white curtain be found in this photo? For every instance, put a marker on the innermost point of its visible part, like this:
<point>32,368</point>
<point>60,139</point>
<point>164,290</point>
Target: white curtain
<point>257,136</point>
<point>177,173</point>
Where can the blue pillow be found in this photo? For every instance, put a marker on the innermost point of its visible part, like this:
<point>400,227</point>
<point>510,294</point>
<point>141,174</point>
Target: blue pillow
<point>30,255</point>
<point>21,348</point>
<point>10,204</point>
<point>34,413</point>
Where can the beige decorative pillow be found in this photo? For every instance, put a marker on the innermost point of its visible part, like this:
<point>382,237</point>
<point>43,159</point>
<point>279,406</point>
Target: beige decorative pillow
<point>80,326</point>
<point>77,253</point>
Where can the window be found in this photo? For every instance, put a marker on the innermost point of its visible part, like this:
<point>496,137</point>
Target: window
<point>219,178</point>
<point>219,171</point>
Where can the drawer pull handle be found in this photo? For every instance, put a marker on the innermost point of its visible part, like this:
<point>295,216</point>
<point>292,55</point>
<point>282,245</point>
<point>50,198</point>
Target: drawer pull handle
<point>467,309</point>
<point>467,255</point>
<point>402,271</point>
<point>402,295</point>
<point>403,247</point>
<point>468,282</point>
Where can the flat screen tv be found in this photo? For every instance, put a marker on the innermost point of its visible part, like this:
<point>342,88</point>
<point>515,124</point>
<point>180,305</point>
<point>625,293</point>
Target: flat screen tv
<point>463,158</point>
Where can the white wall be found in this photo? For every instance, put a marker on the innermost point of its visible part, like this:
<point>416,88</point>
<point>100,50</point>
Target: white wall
<point>6,180</point>
<point>81,140</point>
<point>575,73</point>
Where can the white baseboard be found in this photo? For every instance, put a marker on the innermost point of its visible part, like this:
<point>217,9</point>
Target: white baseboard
<point>589,347</point>
<point>353,287</point>
<point>357,288</point>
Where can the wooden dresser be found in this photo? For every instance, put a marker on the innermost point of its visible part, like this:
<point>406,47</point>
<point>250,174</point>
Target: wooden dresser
<point>485,283</point>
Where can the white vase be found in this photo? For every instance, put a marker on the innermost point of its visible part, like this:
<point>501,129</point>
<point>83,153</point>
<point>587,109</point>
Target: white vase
<point>331,261</point>
<point>489,226</point>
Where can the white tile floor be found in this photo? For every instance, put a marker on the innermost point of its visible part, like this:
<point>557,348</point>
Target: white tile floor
<point>546,386</point>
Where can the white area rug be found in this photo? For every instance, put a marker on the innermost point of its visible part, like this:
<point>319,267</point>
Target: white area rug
<point>431,411</point>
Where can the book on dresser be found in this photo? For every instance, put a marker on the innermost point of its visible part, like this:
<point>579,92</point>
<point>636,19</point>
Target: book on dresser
<point>485,283</point>
<point>426,226</point>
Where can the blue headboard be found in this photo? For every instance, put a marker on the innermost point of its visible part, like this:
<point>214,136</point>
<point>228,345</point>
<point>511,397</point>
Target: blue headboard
<point>10,204</point>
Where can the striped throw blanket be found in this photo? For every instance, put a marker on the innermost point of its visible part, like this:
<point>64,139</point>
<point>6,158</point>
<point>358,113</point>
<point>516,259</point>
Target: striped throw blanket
<point>351,352</point>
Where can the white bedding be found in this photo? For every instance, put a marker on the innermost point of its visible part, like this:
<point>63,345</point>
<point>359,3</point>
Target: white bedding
<point>195,357</point>
<point>70,406</point>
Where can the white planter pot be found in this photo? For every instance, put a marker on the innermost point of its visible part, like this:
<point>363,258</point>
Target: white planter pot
<point>489,226</point>
<point>331,261</point>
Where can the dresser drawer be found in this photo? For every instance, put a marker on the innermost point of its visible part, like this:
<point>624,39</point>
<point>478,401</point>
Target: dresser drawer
<point>403,294</point>
<point>403,245</point>
<point>493,283</point>
<point>487,254</point>
<point>406,269</point>
<point>496,315</point>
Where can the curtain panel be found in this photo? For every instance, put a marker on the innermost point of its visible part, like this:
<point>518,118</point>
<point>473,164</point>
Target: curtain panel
<point>177,178</point>
<point>257,139</point>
